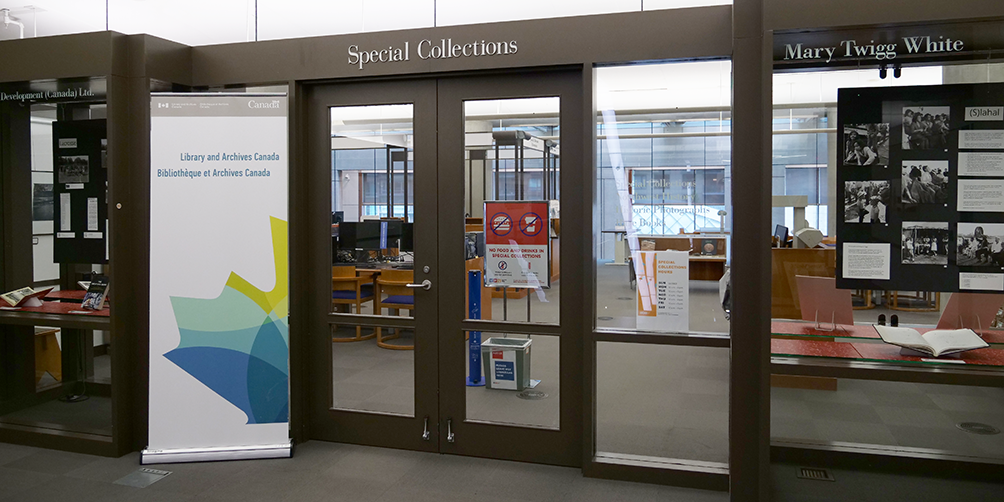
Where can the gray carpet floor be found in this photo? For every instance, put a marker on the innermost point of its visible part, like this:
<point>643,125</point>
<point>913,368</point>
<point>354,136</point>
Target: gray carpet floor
<point>321,471</point>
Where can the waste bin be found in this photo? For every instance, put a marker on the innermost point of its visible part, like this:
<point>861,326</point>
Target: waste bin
<point>506,362</point>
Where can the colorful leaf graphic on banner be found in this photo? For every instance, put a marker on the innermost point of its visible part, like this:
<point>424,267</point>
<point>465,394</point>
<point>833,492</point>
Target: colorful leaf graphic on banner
<point>237,344</point>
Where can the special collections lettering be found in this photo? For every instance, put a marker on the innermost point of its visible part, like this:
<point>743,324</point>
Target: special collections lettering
<point>427,49</point>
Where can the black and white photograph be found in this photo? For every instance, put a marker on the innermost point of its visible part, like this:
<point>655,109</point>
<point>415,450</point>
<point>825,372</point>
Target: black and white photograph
<point>925,182</point>
<point>925,127</point>
<point>980,245</point>
<point>42,208</point>
<point>925,243</point>
<point>866,201</point>
<point>866,145</point>
<point>74,169</point>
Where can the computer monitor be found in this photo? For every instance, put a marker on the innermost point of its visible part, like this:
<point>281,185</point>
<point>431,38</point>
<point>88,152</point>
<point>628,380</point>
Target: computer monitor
<point>368,235</point>
<point>374,235</point>
<point>781,232</point>
<point>408,237</point>
<point>347,235</point>
<point>390,234</point>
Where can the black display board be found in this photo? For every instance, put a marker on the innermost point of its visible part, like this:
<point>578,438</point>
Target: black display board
<point>80,174</point>
<point>898,183</point>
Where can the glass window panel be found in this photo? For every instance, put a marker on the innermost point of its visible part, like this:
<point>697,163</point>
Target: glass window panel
<point>372,257</point>
<point>68,370</point>
<point>913,418</point>
<point>366,377</point>
<point>662,190</point>
<point>898,414</point>
<point>662,401</point>
<point>502,167</point>
<point>530,396</point>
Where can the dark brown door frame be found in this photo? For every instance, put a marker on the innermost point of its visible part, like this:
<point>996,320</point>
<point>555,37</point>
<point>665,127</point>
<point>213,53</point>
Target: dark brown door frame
<point>749,384</point>
<point>439,139</point>
<point>314,246</point>
<point>562,447</point>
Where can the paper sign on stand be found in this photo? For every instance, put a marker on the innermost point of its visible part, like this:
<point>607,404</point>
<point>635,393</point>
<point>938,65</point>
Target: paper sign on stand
<point>517,244</point>
<point>663,300</point>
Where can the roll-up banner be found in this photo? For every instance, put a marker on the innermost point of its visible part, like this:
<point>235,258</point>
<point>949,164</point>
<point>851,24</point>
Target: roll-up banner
<point>219,278</point>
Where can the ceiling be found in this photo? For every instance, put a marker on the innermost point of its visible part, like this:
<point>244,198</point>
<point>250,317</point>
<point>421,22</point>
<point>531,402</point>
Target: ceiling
<point>200,22</point>
<point>634,87</point>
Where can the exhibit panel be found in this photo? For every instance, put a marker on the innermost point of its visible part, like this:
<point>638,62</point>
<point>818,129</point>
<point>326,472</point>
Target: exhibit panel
<point>885,337</point>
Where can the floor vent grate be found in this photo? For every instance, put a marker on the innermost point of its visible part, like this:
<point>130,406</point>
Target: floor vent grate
<point>814,473</point>
<point>978,428</point>
<point>531,395</point>
<point>142,478</point>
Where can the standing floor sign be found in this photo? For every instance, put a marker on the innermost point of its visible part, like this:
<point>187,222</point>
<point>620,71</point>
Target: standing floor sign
<point>219,286</point>
<point>517,244</point>
<point>663,301</point>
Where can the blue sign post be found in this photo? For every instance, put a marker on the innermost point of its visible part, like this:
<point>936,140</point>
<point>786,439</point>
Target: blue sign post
<point>475,379</point>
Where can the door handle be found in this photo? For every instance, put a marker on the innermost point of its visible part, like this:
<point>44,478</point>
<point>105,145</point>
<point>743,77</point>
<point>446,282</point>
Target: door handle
<point>426,285</point>
<point>449,431</point>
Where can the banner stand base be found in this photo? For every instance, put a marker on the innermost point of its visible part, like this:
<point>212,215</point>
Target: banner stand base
<point>216,454</point>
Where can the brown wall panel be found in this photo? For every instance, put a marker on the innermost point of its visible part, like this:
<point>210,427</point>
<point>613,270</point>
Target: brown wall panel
<point>679,33</point>
<point>802,14</point>
<point>15,170</point>
<point>66,56</point>
<point>167,61</point>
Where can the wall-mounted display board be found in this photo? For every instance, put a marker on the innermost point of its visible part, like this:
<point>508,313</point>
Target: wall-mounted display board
<point>921,180</point>
<point>80,201</point>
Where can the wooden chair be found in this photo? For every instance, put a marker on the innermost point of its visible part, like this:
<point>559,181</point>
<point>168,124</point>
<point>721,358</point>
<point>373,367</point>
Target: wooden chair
<point>399,297</point>
<point>48,358</point>
<point>349,289</point>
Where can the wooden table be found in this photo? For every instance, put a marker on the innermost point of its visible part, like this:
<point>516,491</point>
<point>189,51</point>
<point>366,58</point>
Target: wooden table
<point>17,388</point>
<point>73,295</point>
<point>856,351</point>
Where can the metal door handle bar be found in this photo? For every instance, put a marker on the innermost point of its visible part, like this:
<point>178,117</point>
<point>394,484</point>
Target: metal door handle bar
<point>426,285</point>
<point>425,433</point>
<point>449,431</point>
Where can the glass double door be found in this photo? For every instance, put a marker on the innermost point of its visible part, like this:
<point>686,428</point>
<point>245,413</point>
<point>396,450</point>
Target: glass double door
<point>443,200</point>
